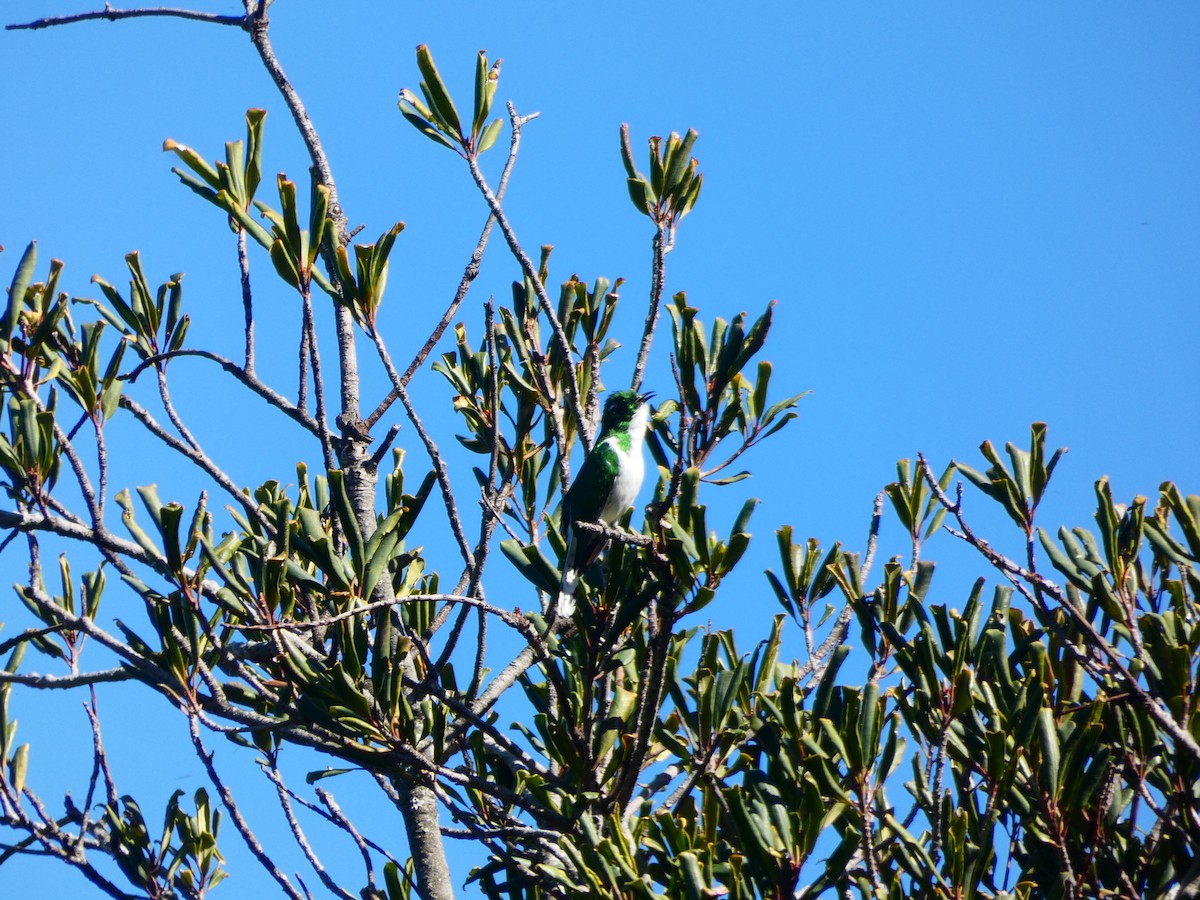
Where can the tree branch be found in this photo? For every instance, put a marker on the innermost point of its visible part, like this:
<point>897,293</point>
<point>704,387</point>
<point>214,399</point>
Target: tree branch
<point>112,14</point>
<point>464,284</point>
<point>271,768</point>
<point>531,272</point>
<point>247,298</point>
<point>431,447</point>
<point>1017,573</point>
<point>64,682</point>
<point>235,813</point>
<point>245,376</point>
<point>198,457</point>
<point>657,280</point>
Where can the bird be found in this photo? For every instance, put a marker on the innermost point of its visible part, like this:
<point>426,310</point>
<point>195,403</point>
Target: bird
<point>606,486</point>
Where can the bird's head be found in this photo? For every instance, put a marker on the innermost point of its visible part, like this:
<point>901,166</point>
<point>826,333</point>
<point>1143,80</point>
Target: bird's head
<point>622,407</point>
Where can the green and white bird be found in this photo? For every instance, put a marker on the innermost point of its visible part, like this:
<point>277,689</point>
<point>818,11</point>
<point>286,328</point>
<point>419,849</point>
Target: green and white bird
<point>606,486</point>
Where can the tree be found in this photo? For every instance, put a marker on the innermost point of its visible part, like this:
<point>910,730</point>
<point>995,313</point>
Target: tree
<point>1051,729</point>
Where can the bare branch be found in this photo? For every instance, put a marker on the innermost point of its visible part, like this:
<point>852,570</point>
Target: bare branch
<point>318,383</point>
<point>244,376</point>
<point>111,14</point>
<point>339,818</point>
<point>872,536</point>
<point>30,521</point>
<point>247,298</point>
<point>149,670</point>
<point>617,534</point>
<point>303,357</point>
<point>469,275</point>
<point>657,280</point>
<point>344,322</point>
<point>165,395</point>
<point>527,267</point>
<point>505,615</point>
<point>65,682</point>
<point>197,456</point>
<point>431,447</point>
<point>271,768</point>
<point>819,660</point>
<point>99,768</point>
<point>384,445</point>
<point>29,633</point>
<point>235,813</point>
<point>95,504</point>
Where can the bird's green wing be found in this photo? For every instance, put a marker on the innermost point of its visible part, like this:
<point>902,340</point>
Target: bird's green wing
<point>585,499</point>
<point>592,485</point>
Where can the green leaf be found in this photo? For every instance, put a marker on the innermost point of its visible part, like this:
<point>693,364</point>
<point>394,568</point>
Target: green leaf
<point>254,132</point>
<point>289,217</point>
<point>379,552</point>
<point>641,194</point>
<point>679,159</point>
<point>16,291</point>
<point>423,125</point>
<point>19,768</point>
<point>533,565</point>
<point>229,203</point>
<point>195,184</point>
<point>195,162</point>
<point>868,720</point>
<point>318,218</point>
<point>285,263</point>
<point>439,96</point>
<point>1048,734</point>
<point>489,136</point>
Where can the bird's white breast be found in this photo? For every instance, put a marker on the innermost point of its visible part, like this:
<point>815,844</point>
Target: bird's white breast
<point>630,471</point>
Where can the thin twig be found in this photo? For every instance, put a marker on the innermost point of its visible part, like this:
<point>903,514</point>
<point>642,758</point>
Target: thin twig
<point>174,416</point>
<point>469,275</point>
<point>271,768</point>
<point>431,447</point>
<point>95,505</point>
<point>247,298</point>
<point>66,682</point>
<point>99,768</point>
<point>334,814</point>
<point>200,458</point>
<point>112,14</point>
<point>318,383</point>
<point>244,376</point>
<point>657,280</point>
<point>531,272</point>
<point>28,634</point>
<point>235,813</point>
<point>505,615</point>
<point>382,449</point>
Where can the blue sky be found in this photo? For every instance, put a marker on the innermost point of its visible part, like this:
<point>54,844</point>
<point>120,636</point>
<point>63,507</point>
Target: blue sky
<point>972,217</point>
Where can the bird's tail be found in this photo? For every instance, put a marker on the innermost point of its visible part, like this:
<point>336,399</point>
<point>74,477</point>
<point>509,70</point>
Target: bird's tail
<point>566,594</point>
<point>570,579</point>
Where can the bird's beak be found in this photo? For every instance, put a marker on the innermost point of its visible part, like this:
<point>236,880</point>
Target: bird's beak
<point>646,397</point>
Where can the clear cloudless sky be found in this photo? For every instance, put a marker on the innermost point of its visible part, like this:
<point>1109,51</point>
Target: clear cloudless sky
<point>972,218</point>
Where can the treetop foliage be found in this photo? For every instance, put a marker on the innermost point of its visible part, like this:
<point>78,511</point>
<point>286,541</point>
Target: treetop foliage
<point>1038,737</point>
